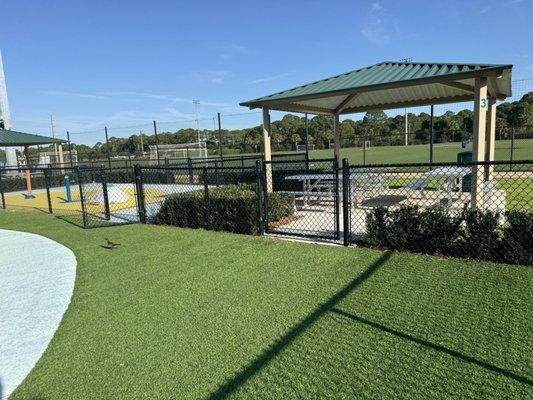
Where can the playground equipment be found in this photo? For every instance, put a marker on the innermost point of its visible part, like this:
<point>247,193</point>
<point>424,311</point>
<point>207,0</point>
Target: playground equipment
<point>68,189</point>
<point>107,193</point>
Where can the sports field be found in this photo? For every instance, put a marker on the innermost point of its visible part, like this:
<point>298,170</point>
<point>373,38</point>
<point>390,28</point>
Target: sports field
<point>443,152</point>
<point>177,313</point>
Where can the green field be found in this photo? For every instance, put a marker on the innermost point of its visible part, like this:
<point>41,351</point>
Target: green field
<point>443,152</point>
<point>177,313</point>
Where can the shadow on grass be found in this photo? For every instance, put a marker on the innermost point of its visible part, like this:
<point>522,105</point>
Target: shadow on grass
<point>71,219</point>
<point>436,347</point>
<point>268,355</point>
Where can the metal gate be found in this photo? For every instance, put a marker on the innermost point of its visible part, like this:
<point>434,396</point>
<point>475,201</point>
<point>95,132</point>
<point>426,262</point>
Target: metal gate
<point>313,187</point>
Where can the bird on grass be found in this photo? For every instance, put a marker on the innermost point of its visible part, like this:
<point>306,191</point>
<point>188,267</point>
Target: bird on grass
<point>111,244</point>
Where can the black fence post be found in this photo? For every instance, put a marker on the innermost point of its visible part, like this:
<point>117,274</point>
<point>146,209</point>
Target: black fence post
<point>2,192</point>
<point>264,182</point>
<point>108,148</point>
<point>69,150</point>
<point>167,171</point>
<point>156,142</point>
<point>259,192</point>
<point>107,213</point>
<point>206,199</point>
<point>141,206</point>
<point>46,172</point>
<point>189,167</point>
<point>82,200</point>
<point>346,203</point>
<point>337,203</point>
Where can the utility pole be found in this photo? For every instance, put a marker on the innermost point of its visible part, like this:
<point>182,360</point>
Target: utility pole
<point>219,136</point>
<point>196,103</point>
<point>406,60</point>
<point>406,129</point>
<point>142,146</point>
<point>52,127</point>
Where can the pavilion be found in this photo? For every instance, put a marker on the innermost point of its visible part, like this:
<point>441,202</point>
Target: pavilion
<point>9,138</point>
<point>389,85</point>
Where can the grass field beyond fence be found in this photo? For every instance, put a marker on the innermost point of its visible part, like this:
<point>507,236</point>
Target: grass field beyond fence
<point>178,313</point>
<point>443,152</point>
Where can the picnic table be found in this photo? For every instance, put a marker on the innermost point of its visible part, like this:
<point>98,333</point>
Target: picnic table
<point>319,185</point>
<point>448,178</point>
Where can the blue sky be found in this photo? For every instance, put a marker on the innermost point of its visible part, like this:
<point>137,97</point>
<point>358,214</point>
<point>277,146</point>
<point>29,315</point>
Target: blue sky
<point>123,63</point>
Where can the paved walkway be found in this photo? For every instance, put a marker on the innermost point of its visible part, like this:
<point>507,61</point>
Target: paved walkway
<point>36,283</point>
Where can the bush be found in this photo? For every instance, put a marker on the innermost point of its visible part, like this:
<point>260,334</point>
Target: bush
<point>231,208</point>
<point>480,236</point>
<point>473,234</point>
<point>409,228</point>
<point>517,238</point>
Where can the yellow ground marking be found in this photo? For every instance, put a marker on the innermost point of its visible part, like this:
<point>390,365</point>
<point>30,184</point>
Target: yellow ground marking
<point>59,200</point>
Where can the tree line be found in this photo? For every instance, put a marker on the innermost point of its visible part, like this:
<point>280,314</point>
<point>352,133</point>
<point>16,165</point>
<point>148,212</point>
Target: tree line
<point>290,131</point>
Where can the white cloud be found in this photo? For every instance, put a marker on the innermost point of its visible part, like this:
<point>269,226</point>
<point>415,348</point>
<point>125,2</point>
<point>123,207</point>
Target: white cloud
<point>73,94</point>
<point>269,78</point>
<point>374,7</point>
<point>379,28</point>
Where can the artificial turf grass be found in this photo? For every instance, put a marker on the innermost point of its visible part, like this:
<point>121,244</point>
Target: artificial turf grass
<point>177,313</point>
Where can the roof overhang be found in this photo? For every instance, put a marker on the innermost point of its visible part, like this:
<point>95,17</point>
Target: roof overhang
<point>10,138</point>
<point>428,89</point>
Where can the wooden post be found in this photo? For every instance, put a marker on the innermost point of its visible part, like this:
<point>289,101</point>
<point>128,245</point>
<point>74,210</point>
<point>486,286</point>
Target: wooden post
<point>267,149</point>
<point>61,159</point>
<point>478,148</point>
<point>29,194</point>
<point>336,136</point>
<point>490,139</point>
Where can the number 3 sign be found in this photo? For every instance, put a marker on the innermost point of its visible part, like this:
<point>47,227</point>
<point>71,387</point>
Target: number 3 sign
<point>484,102</point>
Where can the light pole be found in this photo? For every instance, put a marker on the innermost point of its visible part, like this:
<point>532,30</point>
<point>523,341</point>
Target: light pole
<point>196,103</point>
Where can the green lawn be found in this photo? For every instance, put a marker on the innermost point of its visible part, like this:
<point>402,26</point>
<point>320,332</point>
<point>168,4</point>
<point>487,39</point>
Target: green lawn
<point>443,152</point>
<point>176,313</point>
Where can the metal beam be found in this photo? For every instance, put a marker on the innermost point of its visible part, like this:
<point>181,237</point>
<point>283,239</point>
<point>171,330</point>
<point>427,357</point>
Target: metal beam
<point>459,85</point>
<point>345,102</point>
<point>301,108</point>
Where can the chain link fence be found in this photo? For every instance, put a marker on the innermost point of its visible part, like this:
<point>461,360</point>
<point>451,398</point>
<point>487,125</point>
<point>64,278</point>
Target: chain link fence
<point>462,209</point>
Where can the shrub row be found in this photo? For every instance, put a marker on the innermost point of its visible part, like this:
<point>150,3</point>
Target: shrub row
<point>472,234</point>
<point>231,208</point>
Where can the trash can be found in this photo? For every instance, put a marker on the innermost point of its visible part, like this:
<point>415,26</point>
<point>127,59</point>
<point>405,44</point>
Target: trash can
<point>465,157</point>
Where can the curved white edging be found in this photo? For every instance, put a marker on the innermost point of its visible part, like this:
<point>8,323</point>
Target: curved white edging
<point>36,283</point>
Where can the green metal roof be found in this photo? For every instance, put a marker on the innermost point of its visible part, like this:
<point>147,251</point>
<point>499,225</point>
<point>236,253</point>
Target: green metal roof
<point>12,138</point>
<point>389,85</point>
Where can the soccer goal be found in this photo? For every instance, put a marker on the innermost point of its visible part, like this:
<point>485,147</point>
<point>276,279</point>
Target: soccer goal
<point>51,157</point>
<point>301,147</point>
<point>177,151</point>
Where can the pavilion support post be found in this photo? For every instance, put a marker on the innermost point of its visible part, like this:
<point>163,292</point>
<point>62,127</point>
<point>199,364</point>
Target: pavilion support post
<point>27,173</point>
<point>267,149</point>
<point>336,136</point>
<point>478,148</point>
<point>61,157</point>
<point>490,139</point>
